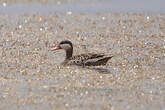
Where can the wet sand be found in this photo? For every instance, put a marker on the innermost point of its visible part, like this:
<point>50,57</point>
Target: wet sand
<point>31,78</point>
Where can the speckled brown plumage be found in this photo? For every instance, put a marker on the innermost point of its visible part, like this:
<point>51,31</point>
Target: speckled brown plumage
<point>88,59</point>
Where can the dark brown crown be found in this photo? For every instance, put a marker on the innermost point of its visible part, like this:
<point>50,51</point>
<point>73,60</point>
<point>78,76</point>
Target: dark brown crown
<point>66,42</point>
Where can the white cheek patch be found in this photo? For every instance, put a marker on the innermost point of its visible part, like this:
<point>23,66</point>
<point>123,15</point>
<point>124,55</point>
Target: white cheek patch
<point>65,46</point>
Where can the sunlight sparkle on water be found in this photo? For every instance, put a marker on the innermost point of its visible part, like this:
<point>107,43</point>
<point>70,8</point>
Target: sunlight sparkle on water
<point>69,12</point>
<point>4,4</point>
<point>20,26</point>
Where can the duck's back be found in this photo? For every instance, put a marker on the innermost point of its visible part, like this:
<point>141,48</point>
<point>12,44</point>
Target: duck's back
<point>89,59</point>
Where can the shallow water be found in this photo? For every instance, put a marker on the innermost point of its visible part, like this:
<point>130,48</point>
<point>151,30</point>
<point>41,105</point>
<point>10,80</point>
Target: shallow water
<point>30,74</point>
<point>30,77</point>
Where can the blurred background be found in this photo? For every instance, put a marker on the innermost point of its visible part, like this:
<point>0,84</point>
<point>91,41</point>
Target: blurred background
<point>82,6</point>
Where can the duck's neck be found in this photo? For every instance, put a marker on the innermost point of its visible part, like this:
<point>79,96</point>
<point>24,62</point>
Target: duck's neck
<point>69,53</point>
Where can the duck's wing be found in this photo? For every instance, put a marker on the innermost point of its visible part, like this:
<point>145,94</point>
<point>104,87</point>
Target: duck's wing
<point>89,59</point>
<point>85,57</point>
<point>97,62</point>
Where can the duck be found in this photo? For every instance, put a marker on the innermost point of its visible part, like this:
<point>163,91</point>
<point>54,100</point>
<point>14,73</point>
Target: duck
<point>88,59</point>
